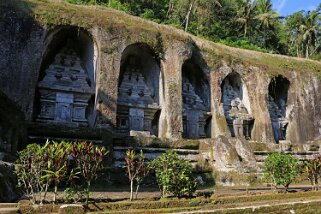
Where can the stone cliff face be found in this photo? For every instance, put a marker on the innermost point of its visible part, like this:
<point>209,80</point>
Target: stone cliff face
<point>237,93</point>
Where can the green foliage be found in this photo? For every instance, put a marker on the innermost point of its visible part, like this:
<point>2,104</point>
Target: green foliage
<point>242,43</point>
<point>281,169</point>
<point>57,158</point>
<point>313,169</point>
<point>74,194</point>
<point>240,23</point>
<point>174,175</point>
<point>89,159</point>
<point>39,166</point>
<point>30,169</point>
<point>136,169</point>
<point>159,47</point>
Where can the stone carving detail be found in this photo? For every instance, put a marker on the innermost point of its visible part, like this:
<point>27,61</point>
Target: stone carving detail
<point>195,113</point>
<point>65,90</point>
<point>277,114</point>
<point>136,106</point>
<point>237,116</point>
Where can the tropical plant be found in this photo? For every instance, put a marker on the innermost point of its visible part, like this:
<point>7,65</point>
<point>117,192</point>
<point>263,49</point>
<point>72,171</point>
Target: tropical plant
<point>136,169</point>
<point>246,15</point>
<point>281,169</point>
<point>266,17</point>
<point>30,167</point>
<point>309,32</point>
<point>313,168</point>
<point>90,160</point>
<point>57,159</point>
<point>174,175</point>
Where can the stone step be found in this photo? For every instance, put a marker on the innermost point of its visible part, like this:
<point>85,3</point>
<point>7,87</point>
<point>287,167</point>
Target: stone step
<point>37,138</point>
<point>11,210</point>
<point>8,205</point>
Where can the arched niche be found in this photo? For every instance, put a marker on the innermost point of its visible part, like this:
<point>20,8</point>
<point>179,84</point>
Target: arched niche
<point>196,102</point>
<point>67,81</point>
<point>139,86</point>
<point>236,104</point>
<point>277,102</point>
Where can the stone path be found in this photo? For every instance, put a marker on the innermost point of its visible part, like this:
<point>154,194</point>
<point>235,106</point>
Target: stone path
<point>9,208</point>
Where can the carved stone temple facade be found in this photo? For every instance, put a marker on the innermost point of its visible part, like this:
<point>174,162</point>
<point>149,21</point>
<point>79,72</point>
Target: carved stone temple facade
<point>238,117</point>
<point>195,113</point>
<point>65,90</point>
<point>128,76</point>
<point>136,108</point>
<point>277,114</point>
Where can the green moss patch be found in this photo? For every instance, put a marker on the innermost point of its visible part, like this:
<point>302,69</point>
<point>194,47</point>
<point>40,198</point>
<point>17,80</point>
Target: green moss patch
<point>52,13</point>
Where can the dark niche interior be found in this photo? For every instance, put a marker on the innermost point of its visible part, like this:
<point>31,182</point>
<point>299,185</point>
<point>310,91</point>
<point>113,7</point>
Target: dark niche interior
<point>236,106</point>
<point>66,89</point>
<point>277,102</point>
<point>138,104</point>
<point>196,102</point>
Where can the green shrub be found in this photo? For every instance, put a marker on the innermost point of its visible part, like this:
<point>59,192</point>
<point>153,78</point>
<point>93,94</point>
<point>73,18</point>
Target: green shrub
<point>281,169</point>
<point>89,159</point>
<point>39,166</point>
<point>174,175</point>
<point>30,167</point>
<point>136,169</point>
<point>313,169</point>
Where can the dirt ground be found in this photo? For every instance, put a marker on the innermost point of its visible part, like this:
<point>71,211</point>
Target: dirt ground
<point>114,193</point>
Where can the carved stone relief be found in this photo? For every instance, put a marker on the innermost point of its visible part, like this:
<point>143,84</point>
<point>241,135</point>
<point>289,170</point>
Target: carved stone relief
<point>136,106</point>
<point>65,90</point>
<point>195,113</point>
<point>237,115</point>
<point>277,115</point>
<point>277,103</point>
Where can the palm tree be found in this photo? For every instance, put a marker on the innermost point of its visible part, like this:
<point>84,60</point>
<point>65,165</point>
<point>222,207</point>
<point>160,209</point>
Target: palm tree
<point>293,25</point>
<point>309,31</point>
<point>266,16</point>
<point>193,4</point>
<point>246,15</point>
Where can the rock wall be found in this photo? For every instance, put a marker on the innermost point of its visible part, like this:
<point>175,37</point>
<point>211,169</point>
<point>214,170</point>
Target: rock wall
<point>30,29</point>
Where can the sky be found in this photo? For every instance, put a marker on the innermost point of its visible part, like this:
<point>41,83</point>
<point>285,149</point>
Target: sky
<point>287,7</point>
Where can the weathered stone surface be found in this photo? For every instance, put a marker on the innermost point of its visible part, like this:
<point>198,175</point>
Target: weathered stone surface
<point>245,152</point>
<point>9,210</point>
<point>72,209</point>
<point>140,76</point>
<point>65,90</point>
<point>225,155</point>
<point>236,106</point>
<point>232,155</point>
<point>8,183</point>
<point>12,130</point>
<point>164,82</point>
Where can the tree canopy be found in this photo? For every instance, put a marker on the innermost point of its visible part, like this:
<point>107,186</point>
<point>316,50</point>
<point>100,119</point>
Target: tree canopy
<point>239,23</point>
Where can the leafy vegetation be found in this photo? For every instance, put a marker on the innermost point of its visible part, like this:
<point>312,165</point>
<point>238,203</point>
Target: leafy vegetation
<point>39,166</point>
<point>30,169</point>
<point>136,169</point>
<point>89,159</point>
<point>174,175</point>
<point>281,169</point>
<point>240,23</point>
<point>313,169</point>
